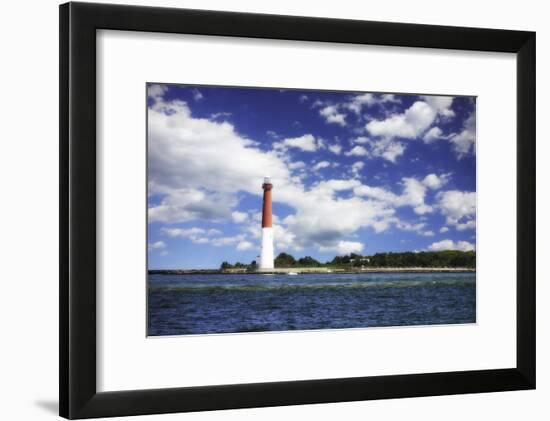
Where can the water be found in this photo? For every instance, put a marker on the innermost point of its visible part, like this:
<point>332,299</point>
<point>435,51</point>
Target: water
<point>199,304</point>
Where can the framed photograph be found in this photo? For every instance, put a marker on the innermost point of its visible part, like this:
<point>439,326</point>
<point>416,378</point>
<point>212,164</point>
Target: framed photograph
<point>262,210</point>
<point>314,215</point>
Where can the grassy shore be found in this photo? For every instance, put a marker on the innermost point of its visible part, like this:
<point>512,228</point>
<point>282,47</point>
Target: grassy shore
<point>307,270</point>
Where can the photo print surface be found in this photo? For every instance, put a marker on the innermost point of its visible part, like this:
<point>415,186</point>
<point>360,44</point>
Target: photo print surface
<point>284,209</point>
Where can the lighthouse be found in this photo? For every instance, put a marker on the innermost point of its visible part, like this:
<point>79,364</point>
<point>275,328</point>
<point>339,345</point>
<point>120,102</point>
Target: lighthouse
<point>266,256</point>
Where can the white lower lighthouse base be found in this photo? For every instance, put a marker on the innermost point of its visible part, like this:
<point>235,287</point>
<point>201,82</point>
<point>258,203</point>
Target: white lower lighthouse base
<point>266,256</point>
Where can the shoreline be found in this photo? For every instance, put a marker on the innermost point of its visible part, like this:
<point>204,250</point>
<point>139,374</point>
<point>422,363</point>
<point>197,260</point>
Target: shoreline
<point>306,271</point>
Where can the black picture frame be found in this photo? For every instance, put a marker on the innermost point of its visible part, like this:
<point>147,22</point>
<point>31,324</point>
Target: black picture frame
<point>77,340</point>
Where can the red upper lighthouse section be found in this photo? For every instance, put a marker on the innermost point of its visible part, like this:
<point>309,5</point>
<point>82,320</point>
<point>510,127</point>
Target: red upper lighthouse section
<point>267,213</point>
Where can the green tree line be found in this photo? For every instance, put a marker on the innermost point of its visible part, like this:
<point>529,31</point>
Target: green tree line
<point>425,259</point>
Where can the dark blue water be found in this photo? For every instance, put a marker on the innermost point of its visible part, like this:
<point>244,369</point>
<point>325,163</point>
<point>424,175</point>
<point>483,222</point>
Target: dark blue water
<point>198,304</point>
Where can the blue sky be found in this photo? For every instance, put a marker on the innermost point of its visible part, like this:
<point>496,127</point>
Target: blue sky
<point>352,172</point>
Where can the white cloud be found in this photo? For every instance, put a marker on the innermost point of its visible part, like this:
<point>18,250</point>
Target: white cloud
<point>303,98</point>
<point>423,209</point>
<point>332,115</point>
<point>239,217</point>
<point>196,235</point>
<point>410,124</point>
<point>202,161</point>
<point>273,134</point>
<point>343,247</point>
<point>297,165</point>
<point>390,98</point>
<point>317,103</point>
<point>443,230</point>
<point>244,245</point>
<point>435,182</point>
<point>357,167</point>
<point>323,219</point>
<point>442,104</point>
<point>360,140</point>
<point>458,207</point>
<point>197,96</point>
<point>327,188</point>
<point>284,239</point>
<point>222,114</point>
<point>377,193</point>
<point>470,224</point>
<point>451,245</point>
<point>157,246</point>
<point>407,226</point>
<point>432,135</point>
<point>386,148</point>
<point>187,204</point>
<point>305,143</point>
<point>464,142</point>
<point>419,227</point>
<point>183,232</point>
<point>156,91</point>
<point>358,101</point>
<point>321,165</point>
<point>335,149</point>
<point>413,193</point>
<point>321,143</point>
<point>228,241</point>
<point>357,151</point>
